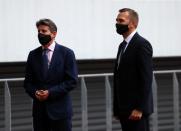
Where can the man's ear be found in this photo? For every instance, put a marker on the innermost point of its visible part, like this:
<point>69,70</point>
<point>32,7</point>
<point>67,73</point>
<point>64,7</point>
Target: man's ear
<point>54,34</point>
<point>131,25</point>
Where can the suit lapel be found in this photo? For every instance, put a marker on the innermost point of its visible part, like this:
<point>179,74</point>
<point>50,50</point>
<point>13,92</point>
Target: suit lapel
<point>116,62</point>
<point>38,61</point>
<point>128,49</point>
<point>131,44</point>
<point>54,59</point>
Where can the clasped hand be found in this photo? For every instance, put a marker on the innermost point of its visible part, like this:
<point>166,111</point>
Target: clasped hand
<point>42,95</point>
<point>135,115</point>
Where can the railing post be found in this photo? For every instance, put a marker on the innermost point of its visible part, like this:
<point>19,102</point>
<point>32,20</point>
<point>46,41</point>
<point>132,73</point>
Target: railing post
<point>176,101</point>
<point>108,105</point>
<point>7,107</point>
<point>84,105</point>
<point>155,98</point>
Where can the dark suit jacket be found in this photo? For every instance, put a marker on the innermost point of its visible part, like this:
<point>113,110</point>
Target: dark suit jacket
<point>133,79</point>
<point>61,79</point>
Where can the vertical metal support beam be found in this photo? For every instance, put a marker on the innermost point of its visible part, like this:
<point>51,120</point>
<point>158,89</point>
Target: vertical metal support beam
<point>7,107</point>
<point>84,105</point>
<point>108,105</point>
<point>176,102</point>
<point>155,98</point>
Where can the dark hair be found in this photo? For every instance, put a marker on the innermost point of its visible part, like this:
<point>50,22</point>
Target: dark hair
<point>132,13</point>
<point>47,22</point>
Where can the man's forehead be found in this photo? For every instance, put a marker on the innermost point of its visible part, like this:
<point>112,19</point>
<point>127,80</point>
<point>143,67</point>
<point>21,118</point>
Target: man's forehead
<point>43,27</point>
<point>123,14</point>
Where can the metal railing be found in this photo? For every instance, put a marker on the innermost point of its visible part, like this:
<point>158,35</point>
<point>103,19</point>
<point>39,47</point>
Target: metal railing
<point>108,93</point>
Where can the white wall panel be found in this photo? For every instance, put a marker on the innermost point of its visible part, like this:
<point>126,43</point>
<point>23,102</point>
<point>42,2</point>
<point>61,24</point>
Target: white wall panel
<point>87,26</point>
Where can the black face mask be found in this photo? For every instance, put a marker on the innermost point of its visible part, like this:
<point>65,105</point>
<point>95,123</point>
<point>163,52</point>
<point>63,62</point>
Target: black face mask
<point>44,39</point>
<point>121,28</point>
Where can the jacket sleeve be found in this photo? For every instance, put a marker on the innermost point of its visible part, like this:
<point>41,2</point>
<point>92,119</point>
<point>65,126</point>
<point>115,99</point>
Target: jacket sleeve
<point>28,82</point>
<point>70,77</point>
<point>145,72</point>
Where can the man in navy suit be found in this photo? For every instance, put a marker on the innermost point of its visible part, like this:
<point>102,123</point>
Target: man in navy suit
<point>51,73</point>
<point>133,100</point>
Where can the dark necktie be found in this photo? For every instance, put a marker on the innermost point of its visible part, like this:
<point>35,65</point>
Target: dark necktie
<point>45,62</point>
<point>121,51</point>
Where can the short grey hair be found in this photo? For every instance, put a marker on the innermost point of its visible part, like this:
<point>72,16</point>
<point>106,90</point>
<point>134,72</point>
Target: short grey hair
<point>47,22</point>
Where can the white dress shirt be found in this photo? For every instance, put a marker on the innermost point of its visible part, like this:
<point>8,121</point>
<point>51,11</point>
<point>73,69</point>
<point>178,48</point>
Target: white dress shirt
<point>128,39</point>
<point>50,52</point>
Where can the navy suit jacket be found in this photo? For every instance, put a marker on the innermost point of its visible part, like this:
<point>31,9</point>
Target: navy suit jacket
<point>133,79</point>
<point>61,79</point>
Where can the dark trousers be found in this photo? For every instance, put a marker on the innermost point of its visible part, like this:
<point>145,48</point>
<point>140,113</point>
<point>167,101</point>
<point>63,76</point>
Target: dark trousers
<point>44,123</point>
<point>135,125</point>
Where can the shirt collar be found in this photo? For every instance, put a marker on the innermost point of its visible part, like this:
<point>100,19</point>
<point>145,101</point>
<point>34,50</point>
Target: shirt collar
<point>128,39</point>
<point>51,47</point>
